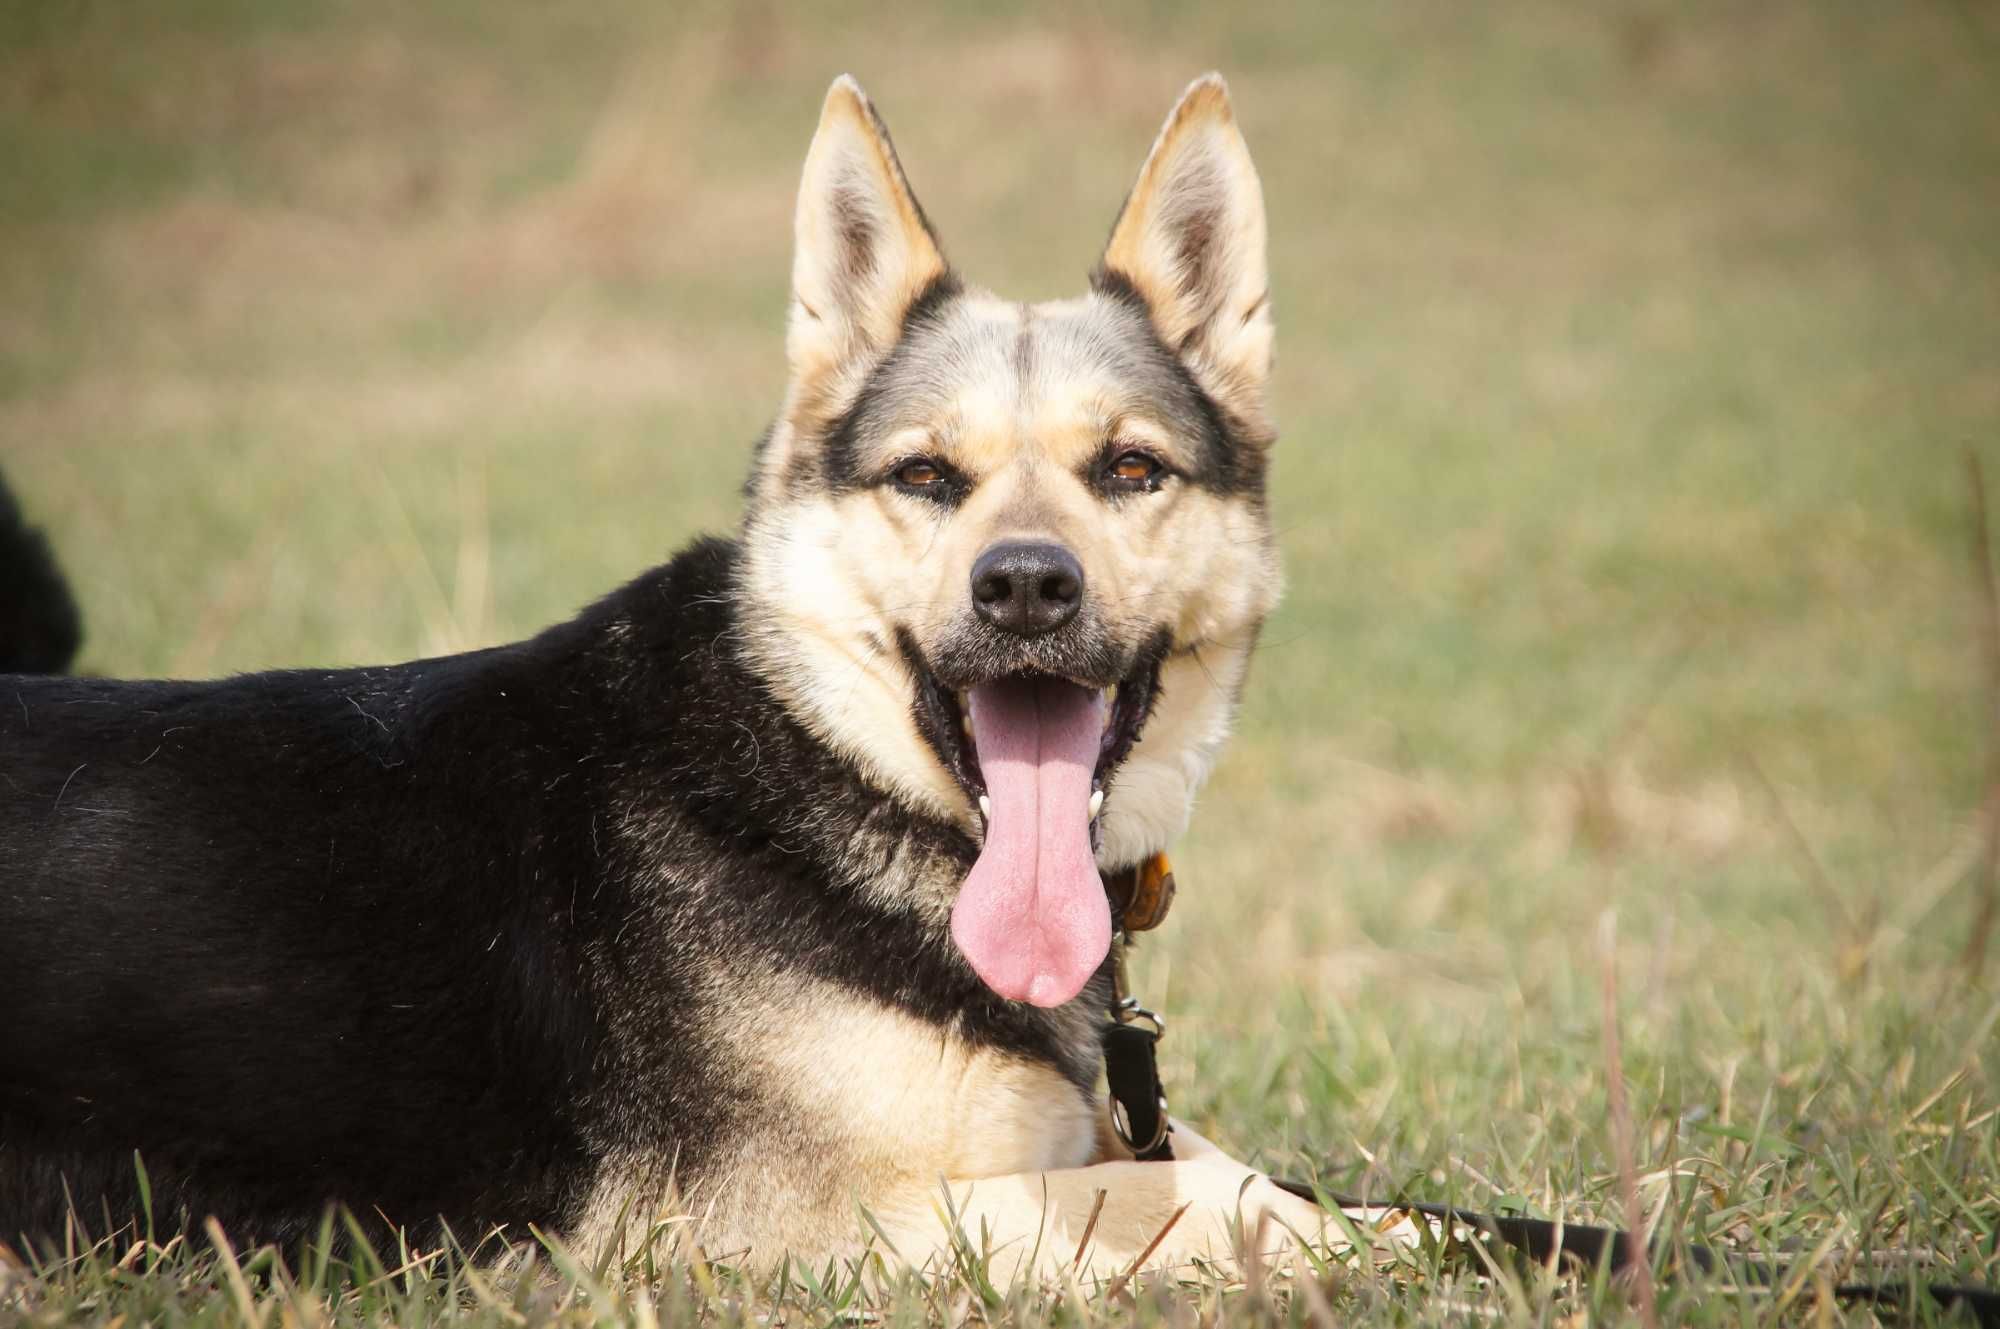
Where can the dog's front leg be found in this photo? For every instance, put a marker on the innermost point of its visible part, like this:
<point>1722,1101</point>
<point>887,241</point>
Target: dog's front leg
<point>1098,1221</point>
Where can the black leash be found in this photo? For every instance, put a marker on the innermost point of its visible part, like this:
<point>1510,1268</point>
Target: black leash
<point>1140,897</point>
<point>1609,1248</point>
<point>1139,1115</point>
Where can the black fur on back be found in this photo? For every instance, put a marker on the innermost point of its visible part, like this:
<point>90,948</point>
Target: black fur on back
<point>40,629</point>
<point>425,939</point>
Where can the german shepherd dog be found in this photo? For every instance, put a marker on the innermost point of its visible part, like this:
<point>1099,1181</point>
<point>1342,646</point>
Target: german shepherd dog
<point>766,890</point>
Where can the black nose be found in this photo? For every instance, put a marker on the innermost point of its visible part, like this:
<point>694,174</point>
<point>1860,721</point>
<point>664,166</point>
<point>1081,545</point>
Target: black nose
<point>1027,589</point>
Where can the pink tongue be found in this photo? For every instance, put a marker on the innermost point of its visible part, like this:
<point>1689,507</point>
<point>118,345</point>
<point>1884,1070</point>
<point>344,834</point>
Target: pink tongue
<point>1032,917</point>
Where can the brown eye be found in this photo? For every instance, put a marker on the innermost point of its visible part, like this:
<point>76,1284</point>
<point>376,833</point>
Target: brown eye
<point>1133,468</point>
<point>919,474</point>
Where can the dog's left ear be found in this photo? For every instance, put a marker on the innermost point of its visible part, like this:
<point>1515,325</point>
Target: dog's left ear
<point>1190,241</point>
<point>864,251</point>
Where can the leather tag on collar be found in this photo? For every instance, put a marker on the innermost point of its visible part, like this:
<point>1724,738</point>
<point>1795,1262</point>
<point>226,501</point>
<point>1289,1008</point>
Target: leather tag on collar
<point>1141,895</point>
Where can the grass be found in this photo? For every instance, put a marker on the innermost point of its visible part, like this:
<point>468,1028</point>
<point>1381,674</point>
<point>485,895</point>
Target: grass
<point>1629,357</point>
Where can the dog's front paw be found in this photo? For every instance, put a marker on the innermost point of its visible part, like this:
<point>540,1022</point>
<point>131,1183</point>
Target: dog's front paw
<point>1233,1205</point>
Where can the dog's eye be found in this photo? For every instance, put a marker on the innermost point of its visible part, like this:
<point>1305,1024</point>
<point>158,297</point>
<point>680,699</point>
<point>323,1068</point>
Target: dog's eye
<point>933,481</point>
<point>1134,469</point>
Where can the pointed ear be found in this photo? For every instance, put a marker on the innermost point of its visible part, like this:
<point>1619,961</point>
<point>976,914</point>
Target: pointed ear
<point>864,249</point>
<point>1190,241</point>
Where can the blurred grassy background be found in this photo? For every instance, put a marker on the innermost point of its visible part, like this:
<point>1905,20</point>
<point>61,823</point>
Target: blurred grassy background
<point>1629,356</point>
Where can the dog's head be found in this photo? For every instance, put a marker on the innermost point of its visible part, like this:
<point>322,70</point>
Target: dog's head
<point>1011,559</point>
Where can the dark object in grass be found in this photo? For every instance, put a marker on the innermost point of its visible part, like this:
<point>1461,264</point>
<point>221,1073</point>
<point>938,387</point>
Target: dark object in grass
<point>40,628</point>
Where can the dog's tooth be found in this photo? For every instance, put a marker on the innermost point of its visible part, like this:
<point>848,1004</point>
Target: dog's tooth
<point>986,807</point>
<point>965,723</point>
<point>1096,803</point>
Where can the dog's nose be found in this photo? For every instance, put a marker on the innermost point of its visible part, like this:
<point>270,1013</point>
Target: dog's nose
<point>1027,589</point>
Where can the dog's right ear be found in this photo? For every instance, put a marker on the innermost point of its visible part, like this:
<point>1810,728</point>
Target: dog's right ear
<point>865,251</point>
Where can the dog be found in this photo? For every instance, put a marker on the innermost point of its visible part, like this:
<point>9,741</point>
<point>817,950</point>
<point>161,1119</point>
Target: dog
<point>766,891</point>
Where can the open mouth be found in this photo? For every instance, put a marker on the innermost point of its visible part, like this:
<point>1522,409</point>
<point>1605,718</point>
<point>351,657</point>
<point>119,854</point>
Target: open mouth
<point>1036,752</point>
<point>1123,707</point>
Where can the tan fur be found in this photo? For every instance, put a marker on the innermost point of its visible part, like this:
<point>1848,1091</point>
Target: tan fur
<point>1202,1211</point>
<point>876,1110</point>
<point>939,1144</point>
<point>868,1108</point>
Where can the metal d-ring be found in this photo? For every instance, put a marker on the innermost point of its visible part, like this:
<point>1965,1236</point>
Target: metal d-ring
<point>1129,1009</point>
<point>1123,1127</point>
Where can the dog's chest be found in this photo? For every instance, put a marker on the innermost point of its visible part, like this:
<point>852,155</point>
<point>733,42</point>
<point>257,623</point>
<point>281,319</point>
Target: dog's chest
<point>898,1095</point>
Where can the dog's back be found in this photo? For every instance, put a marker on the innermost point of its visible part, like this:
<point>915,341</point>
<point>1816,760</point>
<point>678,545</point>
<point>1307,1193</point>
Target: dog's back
<point>39,626</point>
<point>226,907</point>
